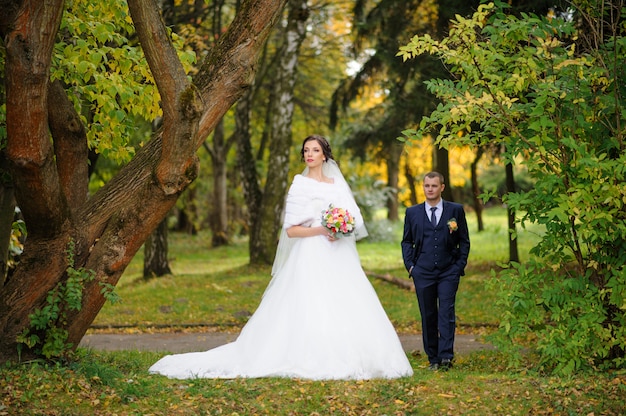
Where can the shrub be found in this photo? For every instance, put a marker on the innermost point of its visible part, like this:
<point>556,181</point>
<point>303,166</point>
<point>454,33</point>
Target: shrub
<point>553,101</point>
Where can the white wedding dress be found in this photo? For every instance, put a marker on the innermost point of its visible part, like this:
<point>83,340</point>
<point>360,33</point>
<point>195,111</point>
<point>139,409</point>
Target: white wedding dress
<point>319,317</point>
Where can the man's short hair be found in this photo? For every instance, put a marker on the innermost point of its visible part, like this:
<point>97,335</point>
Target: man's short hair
<point>434,174</point>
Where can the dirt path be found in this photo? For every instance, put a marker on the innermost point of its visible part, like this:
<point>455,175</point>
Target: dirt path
<point>178,342</point>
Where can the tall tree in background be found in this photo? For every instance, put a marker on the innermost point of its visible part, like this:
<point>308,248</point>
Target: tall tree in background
<point>155,250</point>
<point>155,260</point>
<point>380,28</point>
<point>201,24</point>
<point>81,242</point>
<point>218,148</point>
<point>268,219</point>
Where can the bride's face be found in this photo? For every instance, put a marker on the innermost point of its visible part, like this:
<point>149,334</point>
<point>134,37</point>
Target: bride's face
<point>313,154</point>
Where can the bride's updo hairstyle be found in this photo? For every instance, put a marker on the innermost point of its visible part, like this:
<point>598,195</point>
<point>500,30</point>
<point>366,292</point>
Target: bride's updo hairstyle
<point>328,154</point>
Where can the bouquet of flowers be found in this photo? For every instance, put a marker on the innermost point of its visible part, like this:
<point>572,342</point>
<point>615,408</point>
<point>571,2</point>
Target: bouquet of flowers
<point>338,220</point>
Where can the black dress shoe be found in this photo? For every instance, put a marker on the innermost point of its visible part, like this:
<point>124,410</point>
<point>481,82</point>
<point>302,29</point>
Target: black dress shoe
<point>433,367</point>
<point>446,364</point>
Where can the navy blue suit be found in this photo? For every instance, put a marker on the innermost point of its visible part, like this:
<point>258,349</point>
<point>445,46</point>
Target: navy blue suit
<point>435,257</point>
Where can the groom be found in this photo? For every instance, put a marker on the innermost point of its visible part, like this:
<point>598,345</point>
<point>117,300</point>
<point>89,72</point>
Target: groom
<point>435,247</point>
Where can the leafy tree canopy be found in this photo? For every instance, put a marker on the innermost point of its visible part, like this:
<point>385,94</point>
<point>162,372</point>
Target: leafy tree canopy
<point>100,62</point>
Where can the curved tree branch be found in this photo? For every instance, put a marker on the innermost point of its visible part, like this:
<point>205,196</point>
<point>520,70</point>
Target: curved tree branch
<point>29,45</point>
<point>110,227</point>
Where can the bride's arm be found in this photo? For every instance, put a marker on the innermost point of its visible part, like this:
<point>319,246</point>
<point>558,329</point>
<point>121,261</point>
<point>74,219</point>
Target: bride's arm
<point>297,231</point>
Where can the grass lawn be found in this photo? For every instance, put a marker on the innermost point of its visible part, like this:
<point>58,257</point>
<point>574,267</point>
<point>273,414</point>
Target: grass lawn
<point>217,288</point>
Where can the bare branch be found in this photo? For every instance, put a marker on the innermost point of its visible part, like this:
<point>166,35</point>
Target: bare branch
<point>161,56</point>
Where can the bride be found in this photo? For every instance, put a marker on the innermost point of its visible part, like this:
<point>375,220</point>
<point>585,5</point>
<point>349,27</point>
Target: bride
<point>319,317</point>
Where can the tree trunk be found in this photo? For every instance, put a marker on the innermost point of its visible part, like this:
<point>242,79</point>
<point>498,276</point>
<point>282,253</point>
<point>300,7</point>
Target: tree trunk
<point>478,205</point>
<point>7,213</point>
<point>265,230</point>
<point>393,174</point>
<point>107,229</point>
<point>218,148</point>
<point>442,165</point>
<point>219,204</point>
<point>246,163</point>
<point>186,212</point>
<point>411,183</point>
<point>155,261</point>
<point>510,187</point>
<point>155,249</point>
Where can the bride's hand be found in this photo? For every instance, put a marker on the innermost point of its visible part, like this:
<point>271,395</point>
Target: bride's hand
<point>329,236</point>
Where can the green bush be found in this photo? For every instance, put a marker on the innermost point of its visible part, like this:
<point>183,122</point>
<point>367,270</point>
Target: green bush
<point>47,334</point>
<point>535,87</point>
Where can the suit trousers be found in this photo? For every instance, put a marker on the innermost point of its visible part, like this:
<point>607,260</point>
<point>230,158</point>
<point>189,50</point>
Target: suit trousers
<point>436,295</point>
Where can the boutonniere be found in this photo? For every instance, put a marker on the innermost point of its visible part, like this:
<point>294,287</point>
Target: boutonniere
<point>452,225</point>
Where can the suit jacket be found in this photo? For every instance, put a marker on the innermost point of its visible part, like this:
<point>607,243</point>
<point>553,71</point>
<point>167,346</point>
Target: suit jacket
<point>457,241</point>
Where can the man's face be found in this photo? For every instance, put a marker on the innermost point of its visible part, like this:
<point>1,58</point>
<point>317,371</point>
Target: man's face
<point>433,189</point>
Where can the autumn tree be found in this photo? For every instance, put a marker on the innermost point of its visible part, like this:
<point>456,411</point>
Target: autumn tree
<point>380,28</point>
<point>265,230</point>
<point>289,100</point>
<point>79,243</point>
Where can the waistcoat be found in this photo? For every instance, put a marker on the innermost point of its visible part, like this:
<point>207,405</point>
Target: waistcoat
<point>434,254</point>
